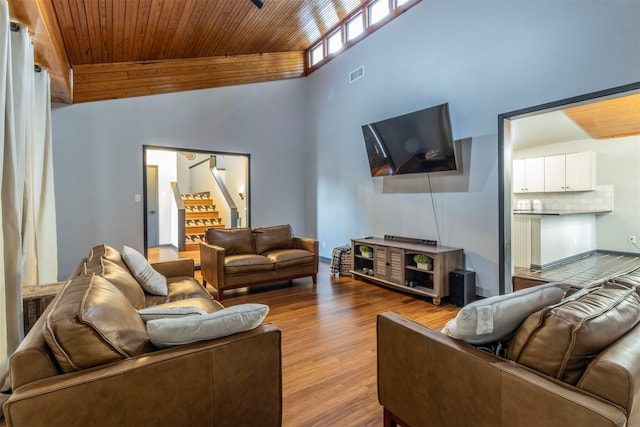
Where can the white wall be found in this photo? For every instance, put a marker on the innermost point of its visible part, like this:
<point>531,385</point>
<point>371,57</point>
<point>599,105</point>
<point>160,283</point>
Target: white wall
<point>484,58</point>
<point>98,157</point>
<point>554,238</point>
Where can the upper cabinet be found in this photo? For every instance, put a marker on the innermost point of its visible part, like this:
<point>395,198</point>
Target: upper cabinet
<point>528,175</point>
<point>563,172</point>
<point>569,172</point>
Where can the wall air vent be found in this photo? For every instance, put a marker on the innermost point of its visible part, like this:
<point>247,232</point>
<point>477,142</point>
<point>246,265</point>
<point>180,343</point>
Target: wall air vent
<point>356,74</point>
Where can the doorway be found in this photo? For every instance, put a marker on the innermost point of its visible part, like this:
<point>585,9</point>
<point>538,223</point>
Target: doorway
<point>175,179</point>
<point>506,143</point>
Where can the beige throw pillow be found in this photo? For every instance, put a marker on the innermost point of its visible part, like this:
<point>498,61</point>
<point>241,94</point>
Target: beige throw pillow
<point>495,318</point>
<point>150,280</point>
<point>177,331</point>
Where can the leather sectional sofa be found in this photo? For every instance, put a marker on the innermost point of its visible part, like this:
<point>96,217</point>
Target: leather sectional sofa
<point>241,257</point>
<point>89,362</point>
<point>572,363</point>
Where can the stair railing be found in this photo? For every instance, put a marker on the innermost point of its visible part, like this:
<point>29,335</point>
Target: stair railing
<point>228,200</point>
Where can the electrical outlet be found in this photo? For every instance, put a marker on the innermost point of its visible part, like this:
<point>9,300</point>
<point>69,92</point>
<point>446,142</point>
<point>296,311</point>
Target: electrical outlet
<point>632,239</point>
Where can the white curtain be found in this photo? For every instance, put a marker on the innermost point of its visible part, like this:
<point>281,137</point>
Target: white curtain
<point>28,242</point>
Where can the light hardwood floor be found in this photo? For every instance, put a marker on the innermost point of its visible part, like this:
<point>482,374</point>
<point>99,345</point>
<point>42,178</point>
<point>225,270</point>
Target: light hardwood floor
<point>329,344</point>
<point>329,341</point>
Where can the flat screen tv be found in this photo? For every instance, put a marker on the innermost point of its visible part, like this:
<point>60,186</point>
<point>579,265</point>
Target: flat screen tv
<point>416,142</point>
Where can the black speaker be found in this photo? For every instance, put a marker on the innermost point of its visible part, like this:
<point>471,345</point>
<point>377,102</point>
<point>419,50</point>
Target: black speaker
<point>462,287</point>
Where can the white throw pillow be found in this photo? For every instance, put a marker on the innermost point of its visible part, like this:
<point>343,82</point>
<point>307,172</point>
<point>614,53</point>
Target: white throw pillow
<point>495,318</point>
<point>153,313</point>
<point>150,280</point>
<point>184,330</point>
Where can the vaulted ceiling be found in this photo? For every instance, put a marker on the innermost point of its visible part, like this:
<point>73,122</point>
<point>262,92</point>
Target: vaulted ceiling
<point>107,49</point>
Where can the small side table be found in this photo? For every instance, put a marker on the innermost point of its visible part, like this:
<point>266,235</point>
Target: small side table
<point>35,300</point>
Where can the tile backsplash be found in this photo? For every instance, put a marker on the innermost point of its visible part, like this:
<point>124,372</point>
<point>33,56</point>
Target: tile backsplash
<point>599,199</point>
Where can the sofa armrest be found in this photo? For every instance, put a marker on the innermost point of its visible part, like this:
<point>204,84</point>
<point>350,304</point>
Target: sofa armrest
<point>175,268</point>
<point>310,245</point>
<point>530,398</point>
<point>428,378</point>
<point>306,243</point>
<point>235,380</point>
<point>212,265</point>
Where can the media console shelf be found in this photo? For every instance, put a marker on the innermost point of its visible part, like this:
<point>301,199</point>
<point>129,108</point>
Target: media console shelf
<point>392,265</point>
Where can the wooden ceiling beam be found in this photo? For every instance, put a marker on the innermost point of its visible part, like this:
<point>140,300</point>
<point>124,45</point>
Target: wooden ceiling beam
<point>127,79</point>
<point>49,52</point>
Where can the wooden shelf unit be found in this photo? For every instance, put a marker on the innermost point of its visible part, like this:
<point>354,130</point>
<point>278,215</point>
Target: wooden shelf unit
<point>392,265</point>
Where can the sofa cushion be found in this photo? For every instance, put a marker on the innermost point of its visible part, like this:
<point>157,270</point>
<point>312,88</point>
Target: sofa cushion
<point>179,288</point>
<point>493,319</point>
<point>283,258</point>
<point>561,340</point>
<point>630,279</point>
<point>92,323</point>
<point>184,330</point>
<point>272,238</point>
<point>150,280</point>
<point>235,241</point>
<point>614,374</point>
<point>103,251</point>
<point>241,264</point>
<point>120,277</point>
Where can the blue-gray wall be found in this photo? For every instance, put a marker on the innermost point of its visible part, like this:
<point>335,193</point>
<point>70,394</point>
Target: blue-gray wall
<point>482,57</point>
<point>98,157</point>
<point>309,165</point>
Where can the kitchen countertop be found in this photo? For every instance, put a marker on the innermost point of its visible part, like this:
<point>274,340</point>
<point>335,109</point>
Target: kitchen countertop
<point>558,212</point>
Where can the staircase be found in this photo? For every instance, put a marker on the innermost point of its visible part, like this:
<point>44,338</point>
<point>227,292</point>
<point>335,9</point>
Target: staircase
<point>199,215</point>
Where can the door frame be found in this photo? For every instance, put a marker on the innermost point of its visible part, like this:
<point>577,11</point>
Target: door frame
<point>145,147</point>
<point>504,167</point>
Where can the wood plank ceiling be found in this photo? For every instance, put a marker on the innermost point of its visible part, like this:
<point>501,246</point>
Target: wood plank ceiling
<point>613,118</point>
<point>108,49</point>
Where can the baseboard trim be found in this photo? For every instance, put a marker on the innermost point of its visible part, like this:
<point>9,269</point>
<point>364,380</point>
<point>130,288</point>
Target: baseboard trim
<point>619,253</point>
<point>562,261</point>
<point>579,257</point>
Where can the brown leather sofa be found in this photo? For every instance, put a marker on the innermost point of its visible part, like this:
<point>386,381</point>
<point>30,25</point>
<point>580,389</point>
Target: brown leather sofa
<point>88,361</point>
<point>241,257</point>
<point>574,363</point>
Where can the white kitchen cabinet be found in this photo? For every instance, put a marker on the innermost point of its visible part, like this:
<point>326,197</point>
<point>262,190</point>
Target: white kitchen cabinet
<point>569,172</point>
<point>528,175</point>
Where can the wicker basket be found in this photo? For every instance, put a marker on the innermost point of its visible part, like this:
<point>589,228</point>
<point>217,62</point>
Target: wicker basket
<point>35,300</point>
<point>345,263</point>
